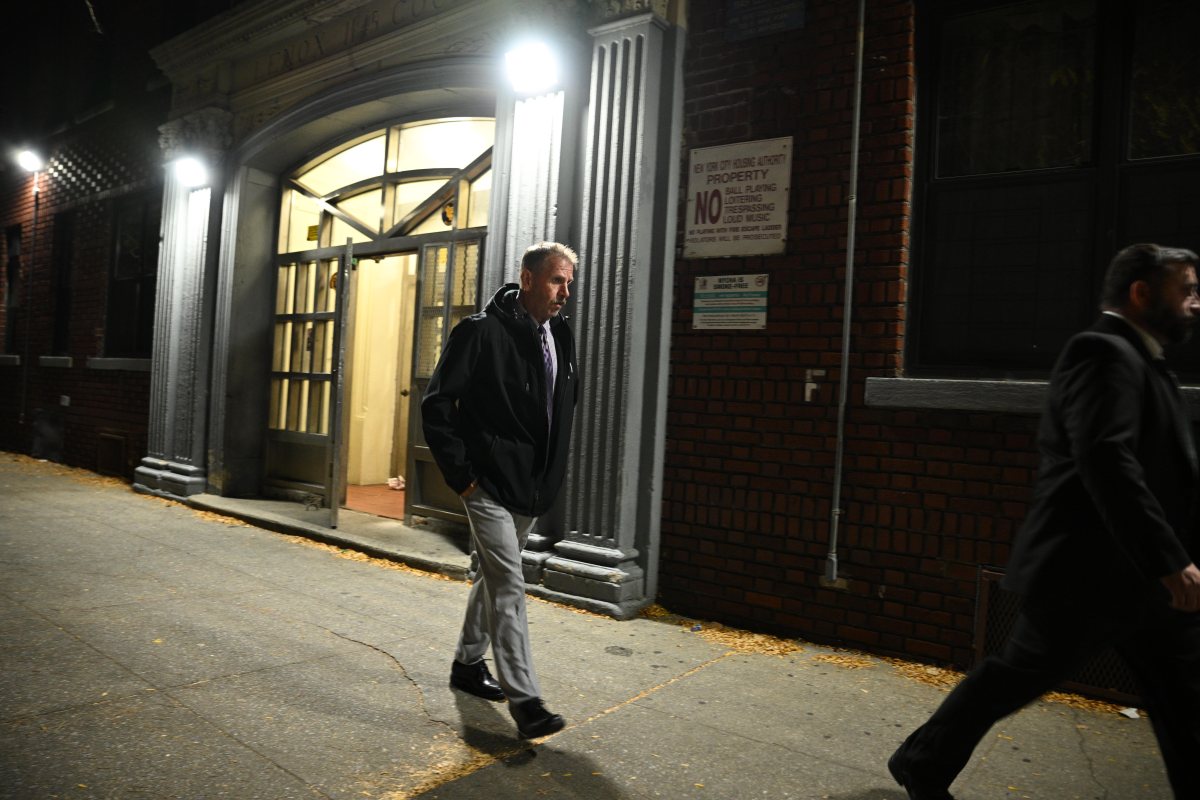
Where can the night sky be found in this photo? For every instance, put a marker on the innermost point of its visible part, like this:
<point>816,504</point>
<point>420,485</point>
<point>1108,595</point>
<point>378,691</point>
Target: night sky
<point>70,59</point>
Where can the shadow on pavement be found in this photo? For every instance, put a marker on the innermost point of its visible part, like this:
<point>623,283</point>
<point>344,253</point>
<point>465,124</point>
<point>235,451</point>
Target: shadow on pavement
<point>872,794</point>
<point>540,770</point>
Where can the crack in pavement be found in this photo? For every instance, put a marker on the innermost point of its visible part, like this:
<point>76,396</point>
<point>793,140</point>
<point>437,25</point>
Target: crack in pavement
<point>403,671</point>
<point>1080,727</point>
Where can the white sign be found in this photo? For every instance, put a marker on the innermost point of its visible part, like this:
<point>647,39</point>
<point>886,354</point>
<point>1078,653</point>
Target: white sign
<point>737,202</point>
<point>730,301</point>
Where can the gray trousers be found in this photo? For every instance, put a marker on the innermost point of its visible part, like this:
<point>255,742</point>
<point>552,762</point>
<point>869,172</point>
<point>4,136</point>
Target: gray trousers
<point>496,603</point>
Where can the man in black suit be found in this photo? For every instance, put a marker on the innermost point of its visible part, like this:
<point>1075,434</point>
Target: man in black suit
<point>1106,555</point>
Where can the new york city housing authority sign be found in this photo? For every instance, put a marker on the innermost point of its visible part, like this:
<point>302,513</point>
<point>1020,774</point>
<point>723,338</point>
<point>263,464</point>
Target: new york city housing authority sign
<point>737,202</point>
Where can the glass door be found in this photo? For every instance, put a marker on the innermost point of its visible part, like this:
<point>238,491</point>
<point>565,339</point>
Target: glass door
<point>300,416</point>
<point>349,367</point>
<point>448,288</point>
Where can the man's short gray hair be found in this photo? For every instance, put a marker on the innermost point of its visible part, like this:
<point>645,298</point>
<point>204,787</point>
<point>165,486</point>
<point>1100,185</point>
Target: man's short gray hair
<point>536,255</point>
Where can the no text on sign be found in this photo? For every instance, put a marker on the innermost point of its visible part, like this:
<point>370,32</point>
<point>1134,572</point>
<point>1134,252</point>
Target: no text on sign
<point>738,199</point>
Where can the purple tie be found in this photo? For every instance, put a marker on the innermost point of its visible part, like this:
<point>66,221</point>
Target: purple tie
<point>548,363</point>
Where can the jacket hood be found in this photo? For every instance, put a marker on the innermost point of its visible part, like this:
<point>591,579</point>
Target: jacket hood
<point>504,304</point>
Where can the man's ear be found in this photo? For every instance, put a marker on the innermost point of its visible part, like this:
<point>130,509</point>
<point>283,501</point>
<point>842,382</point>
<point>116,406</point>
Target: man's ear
<point>526,279</point>
<point>1141,295</point>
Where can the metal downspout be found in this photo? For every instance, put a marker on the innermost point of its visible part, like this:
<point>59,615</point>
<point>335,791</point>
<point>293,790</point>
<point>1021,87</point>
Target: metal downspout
<point>831,563</point>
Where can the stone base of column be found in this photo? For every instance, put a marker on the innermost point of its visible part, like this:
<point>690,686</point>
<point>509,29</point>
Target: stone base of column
<point>533,564</point>
<point>169,479</point>
<point>598,578</point>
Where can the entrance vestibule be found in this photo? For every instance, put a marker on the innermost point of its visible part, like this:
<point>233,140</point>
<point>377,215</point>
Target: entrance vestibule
<point>380,387</point>
<point>406,208</point>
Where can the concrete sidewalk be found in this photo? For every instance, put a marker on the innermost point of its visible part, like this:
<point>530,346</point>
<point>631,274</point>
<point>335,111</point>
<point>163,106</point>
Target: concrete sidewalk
<point>151,650</point>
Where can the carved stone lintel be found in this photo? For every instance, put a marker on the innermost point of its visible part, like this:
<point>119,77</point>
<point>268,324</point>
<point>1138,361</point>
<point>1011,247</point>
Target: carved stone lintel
<point>207,132</point>
<point>612,9</point>
<point>566,14</point>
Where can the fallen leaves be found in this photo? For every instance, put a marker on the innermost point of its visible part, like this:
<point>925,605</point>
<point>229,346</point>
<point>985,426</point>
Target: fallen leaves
<point>845,660</point>
<point>733,638</point>
<point>354,555</point>
<point>1082,703</point>
<point>926,673</point>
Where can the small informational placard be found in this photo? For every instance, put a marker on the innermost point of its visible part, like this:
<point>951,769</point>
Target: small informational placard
<point>730,302</point>
<point>738,199</point>
<point>747,19</point>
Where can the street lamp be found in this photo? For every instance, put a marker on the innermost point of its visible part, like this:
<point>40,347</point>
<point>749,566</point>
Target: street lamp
<point>31,162</point>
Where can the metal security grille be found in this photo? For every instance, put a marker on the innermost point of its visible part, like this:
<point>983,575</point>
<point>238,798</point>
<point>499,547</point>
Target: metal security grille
<point>1105,676</point>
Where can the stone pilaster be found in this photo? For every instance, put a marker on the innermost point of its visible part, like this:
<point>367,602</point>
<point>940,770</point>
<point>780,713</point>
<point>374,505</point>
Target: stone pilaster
<point>535,161</point>
<point>175,464</point>
<point>608,558</point>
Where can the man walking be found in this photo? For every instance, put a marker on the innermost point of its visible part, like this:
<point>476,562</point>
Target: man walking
<point>497,416</point>
<point>1106,555</point>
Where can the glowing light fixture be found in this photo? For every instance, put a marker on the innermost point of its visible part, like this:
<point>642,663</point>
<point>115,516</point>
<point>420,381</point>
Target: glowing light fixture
<point>191,172</point>
<point>532,68</point>
<point>30,161</point>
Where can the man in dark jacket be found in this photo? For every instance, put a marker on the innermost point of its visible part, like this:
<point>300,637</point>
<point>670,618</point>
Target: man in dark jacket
<point>1106,555</point>
<point>497,416</point>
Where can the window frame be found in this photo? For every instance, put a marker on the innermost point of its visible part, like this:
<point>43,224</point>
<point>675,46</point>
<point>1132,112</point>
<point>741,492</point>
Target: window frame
<point>1110,180</point>
<point>138,341</point>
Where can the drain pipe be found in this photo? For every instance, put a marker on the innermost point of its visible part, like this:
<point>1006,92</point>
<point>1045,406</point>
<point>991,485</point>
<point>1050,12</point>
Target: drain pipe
<point>831,561</point>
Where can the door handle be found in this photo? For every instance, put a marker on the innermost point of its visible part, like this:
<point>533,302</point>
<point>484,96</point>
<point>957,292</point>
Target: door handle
<point>404,392</point>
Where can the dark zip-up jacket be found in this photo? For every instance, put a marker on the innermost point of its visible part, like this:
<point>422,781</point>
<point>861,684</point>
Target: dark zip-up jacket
<point>484,411</point>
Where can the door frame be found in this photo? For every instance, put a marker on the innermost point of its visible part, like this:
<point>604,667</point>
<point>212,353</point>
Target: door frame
<point>427,494</point>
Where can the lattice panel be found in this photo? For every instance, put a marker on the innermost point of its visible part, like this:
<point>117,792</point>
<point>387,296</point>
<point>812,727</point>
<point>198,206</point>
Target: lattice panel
<point>1105,676</point>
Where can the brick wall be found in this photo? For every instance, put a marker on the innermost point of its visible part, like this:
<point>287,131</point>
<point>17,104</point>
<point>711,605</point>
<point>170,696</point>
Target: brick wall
<point>929,497</point>
<point>88,169</point>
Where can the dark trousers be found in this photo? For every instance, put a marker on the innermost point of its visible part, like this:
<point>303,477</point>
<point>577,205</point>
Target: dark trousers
<point>1161,647</point>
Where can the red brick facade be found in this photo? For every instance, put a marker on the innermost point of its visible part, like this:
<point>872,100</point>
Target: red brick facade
<point>929,497</point>
<point>103,426</point>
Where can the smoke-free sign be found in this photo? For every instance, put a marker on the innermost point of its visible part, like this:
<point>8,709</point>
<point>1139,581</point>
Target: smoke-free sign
<point>737,201</point>
<point>730,302</point>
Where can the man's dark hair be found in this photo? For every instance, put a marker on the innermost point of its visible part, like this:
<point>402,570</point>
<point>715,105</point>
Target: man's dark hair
<point>1140,262</point>
<point>536,255</point>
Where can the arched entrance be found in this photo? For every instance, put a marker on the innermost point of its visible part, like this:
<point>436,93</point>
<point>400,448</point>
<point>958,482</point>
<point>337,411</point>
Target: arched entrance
<point>379,247</point>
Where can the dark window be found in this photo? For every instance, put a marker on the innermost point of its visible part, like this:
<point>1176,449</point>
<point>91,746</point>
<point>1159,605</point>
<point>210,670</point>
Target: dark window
<point>1165,82</point>
<point>1051,133</point>
<point>12,285</point>
<point>130,324</point>
<point>1017,89</point>
<point>63,255</point>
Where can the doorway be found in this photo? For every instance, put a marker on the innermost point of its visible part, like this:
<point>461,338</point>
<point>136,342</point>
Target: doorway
<point>379,246</point>
<point>380,390</point>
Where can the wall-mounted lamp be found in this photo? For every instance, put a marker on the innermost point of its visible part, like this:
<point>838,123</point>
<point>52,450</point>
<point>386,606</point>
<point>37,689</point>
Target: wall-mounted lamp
<point>190,171</point>
<point>30,161</point>
<point>532,67</point>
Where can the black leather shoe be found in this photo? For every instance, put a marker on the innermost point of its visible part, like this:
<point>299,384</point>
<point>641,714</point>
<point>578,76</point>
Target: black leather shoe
<point>534,720</point>
<point>475,679</point>
<point>917,788</point>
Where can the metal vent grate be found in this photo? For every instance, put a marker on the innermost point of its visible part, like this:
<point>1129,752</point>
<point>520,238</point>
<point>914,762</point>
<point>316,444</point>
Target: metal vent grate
<point>1105,676</point>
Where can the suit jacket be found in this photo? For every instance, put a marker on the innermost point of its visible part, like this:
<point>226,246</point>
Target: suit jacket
<point>1113,508</point>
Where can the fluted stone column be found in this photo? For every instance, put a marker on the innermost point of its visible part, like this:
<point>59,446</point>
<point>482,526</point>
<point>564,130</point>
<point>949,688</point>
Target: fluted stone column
<point>535,161</point>
<point>608,558</point>
<point>175,464</point>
